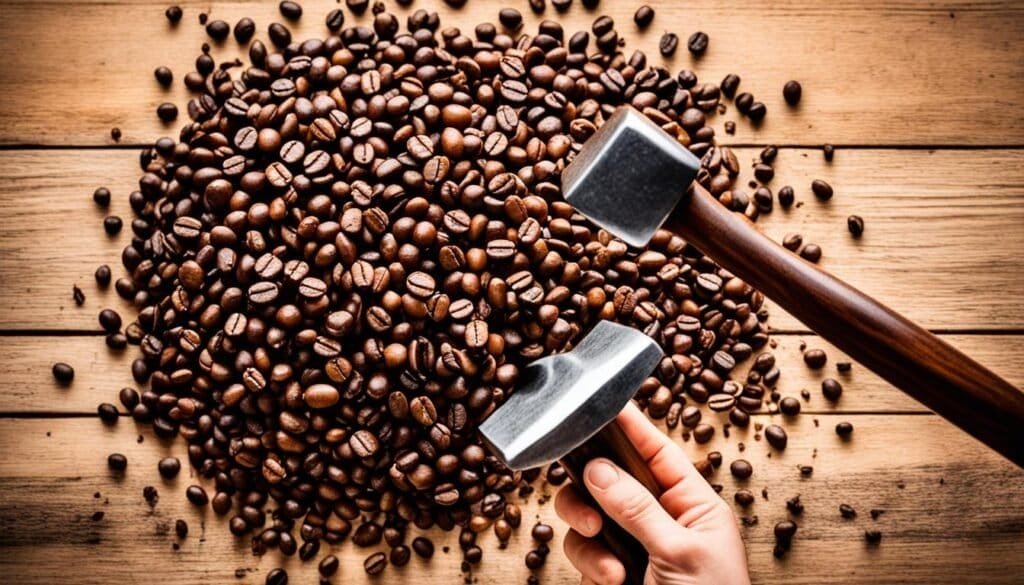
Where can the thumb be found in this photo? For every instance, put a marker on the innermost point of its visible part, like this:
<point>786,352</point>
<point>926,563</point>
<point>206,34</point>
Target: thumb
<point>630,505</point>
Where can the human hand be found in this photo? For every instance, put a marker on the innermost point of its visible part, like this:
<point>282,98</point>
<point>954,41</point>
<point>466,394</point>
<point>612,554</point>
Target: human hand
<point>690,534</point>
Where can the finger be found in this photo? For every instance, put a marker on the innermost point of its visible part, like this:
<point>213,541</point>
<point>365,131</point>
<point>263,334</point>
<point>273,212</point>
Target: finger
<point>684,486</point>
<point>593,560</point>
<point>630,505</point>
<point>571,508</point>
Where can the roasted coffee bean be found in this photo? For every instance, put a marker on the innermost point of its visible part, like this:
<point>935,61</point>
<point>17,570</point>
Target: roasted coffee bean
<point>821,189</point>
<point>117,462</point>
<point>785,530</point>
<point>110,321</point>
<point>196,495</point>
<point>873,536</point>
<point>829,151</point>
<point>63,373</point>
<point>703,432</point>
<point>101,196</point>
<point>844,429</point>
<point>375,563</point>
<point>244,30</point>
<point>277,577</point>
<point>668,43</point>
<point>741,469</point>
<point>855,224</point>
<point>786,196</point>
<point>279,35</point>
<point>757,111</point>
<point>728,86</point>
<point>847,511</point>
<point>218,29</point>
<point>794,506</point>
<point>643,16</point>
<point>776,436</point>
<point>811,253</point>
<point>697,43</point>
<point>169,467</point>
<point>789,406</point>
<point>329,566</point>
<point>112,224</point>
<point>173,14</point>
<point>400,555</point>
<point>423,547</point>
<point>510,18</point>
<point>108,413</point>
<point>792,92</point>
<point>164,76</point>
<point>290,10</point>
<point>542,533</point>
<point>77,295</point>
<point>335,20</point>
<point>181,528</point>
<point>167,112</point>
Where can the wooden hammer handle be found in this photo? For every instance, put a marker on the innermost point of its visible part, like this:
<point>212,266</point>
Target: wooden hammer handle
<point>911,358</point>
<point>611,442</point>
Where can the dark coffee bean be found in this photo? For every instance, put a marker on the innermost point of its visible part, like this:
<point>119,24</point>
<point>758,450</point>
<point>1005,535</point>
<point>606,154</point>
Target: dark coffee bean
<point>112,224</point>
<point>847,511</point>
<point>792,242</point>
<point>164,76</point>
<point>102,275</point>
<point>290,10</point>
<point>561,5</point>
<point>776,436</point>
<point>64,373</point>
<point>110,321</point>
<point>821,189</point>
<point>181,528</point>
<point>792,92</point>
<point>335,20</point>
<point>789,406</point>
<point>218,30</point>
<point>697,43</point>
<point>534,560</point>
<point>169,467</point>
<point>375,563</point>
<point>744,497</point>
<point>423,547</point>
<point>668,43</point>
<point>794,506</point>
<point>643,16</point>
<point>829,151</point>
<point>816,359</point>
<point>811,253</point>
<point>279,35</point>
<point>873,536</point>
<point>117,462</point>
<point>844,366</point>
<point>831,389</point>
<point>329,566</point>
<point>108,413</point>
<point>844,429</point>
<point>786,196</point>
<point>757,111</point>
<point>277,577</point>
<point>128,397</point>
<point>77,295</point>
<point>101,196</point>
<point>729,85</point>
<point>196,495</point>
<point>703,432</point>
<point>785,530</point>
<point>744,101</point>
<point>357,6</point>
<point>542,533</point>
<point>855,224</point>
<point>173,14</point>
<point>244,30</point>
<point>510,18</point>
<point>400,555</point>
<point>806,470</point>
<point>115,134</point>
<point>741,469</point>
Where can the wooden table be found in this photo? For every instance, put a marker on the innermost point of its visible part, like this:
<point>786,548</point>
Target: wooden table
<point>922,100</point>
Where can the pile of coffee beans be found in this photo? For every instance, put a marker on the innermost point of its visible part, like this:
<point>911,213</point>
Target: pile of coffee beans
<point>349,254</point>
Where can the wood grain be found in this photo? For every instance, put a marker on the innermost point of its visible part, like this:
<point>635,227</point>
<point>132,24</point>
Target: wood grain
<point>28,387</point>
<point>945,500</point>
<point>942,245</point>
<point>875,72</point>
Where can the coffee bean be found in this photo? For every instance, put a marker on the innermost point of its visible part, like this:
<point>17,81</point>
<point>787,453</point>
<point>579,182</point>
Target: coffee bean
<point>218,30</point>
<point>321,396</point>
<point>855,224</point>
<point>668,43</point>
<point>844,429</point>
<point>776,436</point>
<point>534,560</point>
<point>789,406</point>
<point>357,6</point>
<point>101,196</point>
<point>169,467</point>
<point>115,134</point>
<point>510,18</point>
<point>335,20</point>
<point>821,189</point>
<point>873,536</point>
<point>196,495</point>
<point>244,30</point>
<point>400,555</point>
<point>112,224</point>
<point>786,197</point>
<point>847,511</point>
<point>811,253</point>
<point>173,14</point>
<point>290,10</point>
<point>792,92</point>
<point>164,76</point>
<point>108,413</point>
<point>277,577</point>
<point>757,111</point>
<point>728,86</point>
<point>329,566</point>
<point>181,528</point>
<point>785,530</point>
<point>423,547</point>
<point>542,533</point>
<point>831,389</point>
<point>741,469</point>
<point>643,16</point>
<point>697,43</point>
<point>561,5</point>
<point>110,321</point>
<point>794,506</point>
<point>375,563</point>
<point>816,359</point>
<point>77,295</point>
<point>117,462</point>
<point>279,35</point>
<point>829,152</point>
<point>703,432</point>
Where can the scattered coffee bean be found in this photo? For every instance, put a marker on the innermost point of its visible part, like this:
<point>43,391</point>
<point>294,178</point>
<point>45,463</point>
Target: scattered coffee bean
<point>290,10</point>
<point>218,30</point>
<point>741,469</point>
<point>786,196</point>
<point>197,495</point>
<point>668,43</point>
<point>115,134</point>
<point>821,189</point>
<point>375,563</point>
<point>164,76</point>
<point>117,462</point>
<point>792,242</point>
<point>794,506</point>
<point>873,536</point>
<point>831,389</point>
<point>277,577</point>
<point>108,413</point>
<point>643,16</point>
<point>855,224</point>
<point>173,14</point>
<point>181,528</point>
<point>110,321</point>
<point>829,151</point>
<point>101,196</point>
<point>792,92</point>
<point>244,30</point>
<point>169,467</point>
<point>63,373</point>
<point>844,429</point>
<point>329,566</point>
<point>728,86</point>
<point>510,18</point>
<point>423,547</point>
<point>542,533</point>
<point>77,295</point>
<point>776,436</point>
<point>744,497</point>
<point>811,253</point>
<point>697,43</point>
<point>112,224</point>
<point>789,406</point>
<point>847,511</point>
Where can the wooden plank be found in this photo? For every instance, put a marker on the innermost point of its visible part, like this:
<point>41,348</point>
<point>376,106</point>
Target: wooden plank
<point>952,214</point>
<point>875,72</point>
<point>27,386</point>
<point>945,498</point>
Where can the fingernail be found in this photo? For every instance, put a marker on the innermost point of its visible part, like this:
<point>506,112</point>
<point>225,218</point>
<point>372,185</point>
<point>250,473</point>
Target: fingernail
<point>601,474</point>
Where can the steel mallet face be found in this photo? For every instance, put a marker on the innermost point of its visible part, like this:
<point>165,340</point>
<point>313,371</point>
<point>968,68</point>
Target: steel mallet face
<point>564,399</point>
<point>629,176</point>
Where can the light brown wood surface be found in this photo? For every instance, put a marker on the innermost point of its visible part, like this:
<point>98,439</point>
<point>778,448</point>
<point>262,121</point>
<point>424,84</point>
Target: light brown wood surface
<point>925,97</point>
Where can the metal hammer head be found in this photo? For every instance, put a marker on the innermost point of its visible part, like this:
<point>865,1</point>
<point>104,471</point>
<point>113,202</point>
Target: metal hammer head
<point>565,399</point>
<point>629,176</point>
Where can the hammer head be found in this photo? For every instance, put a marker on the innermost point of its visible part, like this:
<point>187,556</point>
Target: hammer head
<point>564,399</point>
<point>629,176</point>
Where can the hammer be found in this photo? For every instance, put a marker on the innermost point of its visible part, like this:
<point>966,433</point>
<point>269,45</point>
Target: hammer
<point>631,178</point>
